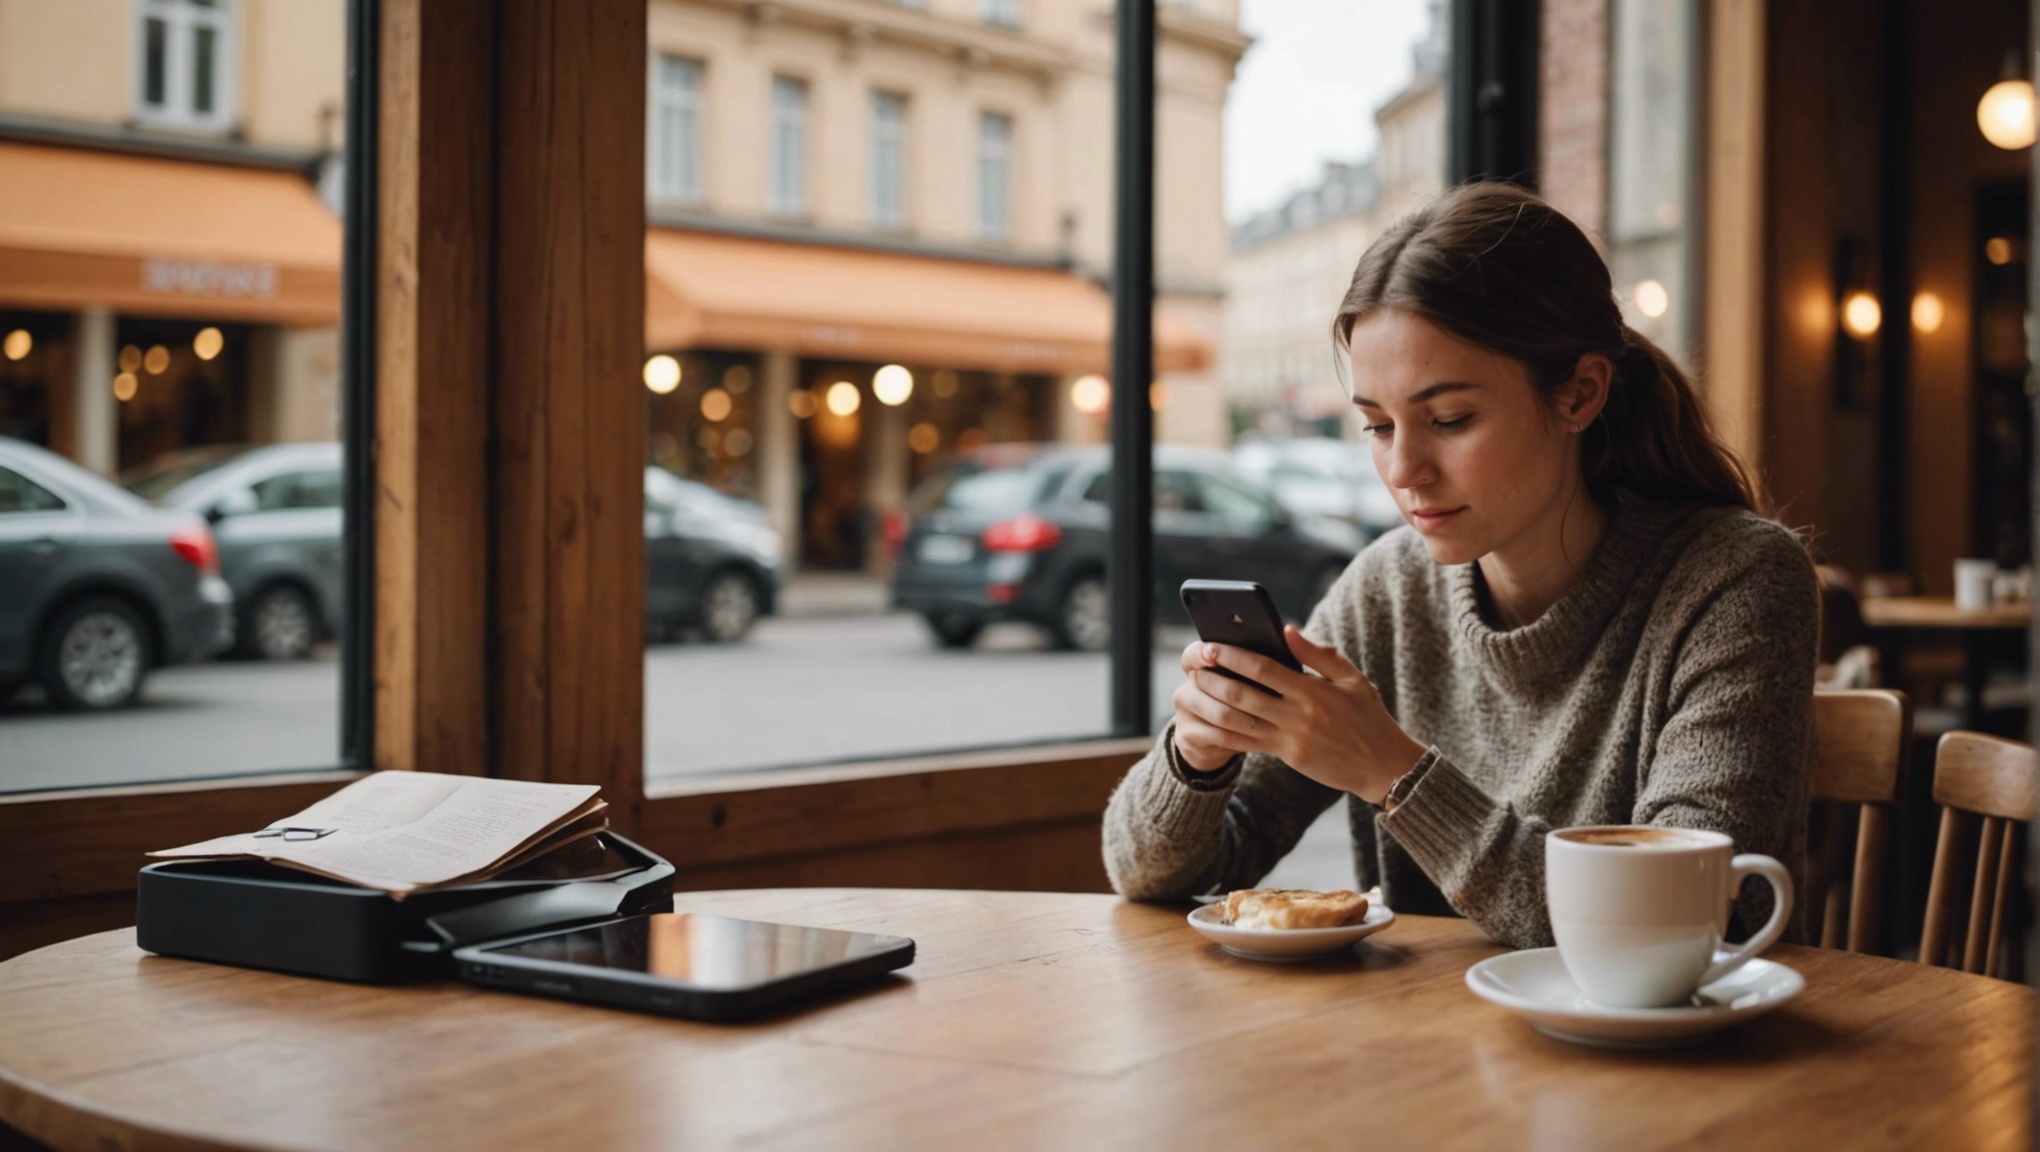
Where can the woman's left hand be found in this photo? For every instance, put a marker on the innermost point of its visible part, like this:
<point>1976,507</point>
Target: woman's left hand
<point>1331,727</point>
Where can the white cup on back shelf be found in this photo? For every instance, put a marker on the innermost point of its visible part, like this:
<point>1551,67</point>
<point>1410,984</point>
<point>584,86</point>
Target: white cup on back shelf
<point>1639,911</point>
<point>1973,579</point>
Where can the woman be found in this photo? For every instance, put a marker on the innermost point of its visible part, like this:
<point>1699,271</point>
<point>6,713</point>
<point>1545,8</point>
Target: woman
<point>1585,621</point>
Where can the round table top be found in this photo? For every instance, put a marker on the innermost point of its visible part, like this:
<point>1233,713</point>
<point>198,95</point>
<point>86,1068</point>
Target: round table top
<point>1042,1020</point>
<point>1941,612</point>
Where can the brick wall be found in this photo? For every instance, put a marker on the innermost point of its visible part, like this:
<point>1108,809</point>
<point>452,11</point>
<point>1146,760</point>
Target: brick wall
<point>1572,113</point>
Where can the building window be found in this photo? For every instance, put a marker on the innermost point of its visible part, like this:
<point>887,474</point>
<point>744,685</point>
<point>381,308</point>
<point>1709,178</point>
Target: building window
<point>995,176</point>
<point>674,164</point>
<point>184,74</point>
<point>789,146</point>
<point>1004,13</point>
<point>1652,76</point>
<point>888,160</point>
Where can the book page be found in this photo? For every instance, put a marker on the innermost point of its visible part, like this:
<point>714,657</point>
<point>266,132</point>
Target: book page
<point>400,831</point>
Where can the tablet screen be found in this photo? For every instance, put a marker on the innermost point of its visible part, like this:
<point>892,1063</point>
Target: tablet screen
<point>705,951</point>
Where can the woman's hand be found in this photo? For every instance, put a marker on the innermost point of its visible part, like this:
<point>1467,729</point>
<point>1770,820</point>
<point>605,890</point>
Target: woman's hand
<point>1332,727</point>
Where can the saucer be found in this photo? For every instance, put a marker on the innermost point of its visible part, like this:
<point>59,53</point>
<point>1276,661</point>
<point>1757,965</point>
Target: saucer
<point>1287,944</point>
<point>1535,985</point>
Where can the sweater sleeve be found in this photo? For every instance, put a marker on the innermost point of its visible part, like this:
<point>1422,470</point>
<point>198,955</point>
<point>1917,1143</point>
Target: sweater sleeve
<point>1730,755</point>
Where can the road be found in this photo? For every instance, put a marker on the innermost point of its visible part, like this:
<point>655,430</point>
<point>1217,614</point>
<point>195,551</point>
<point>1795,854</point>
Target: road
<point>797,691</point>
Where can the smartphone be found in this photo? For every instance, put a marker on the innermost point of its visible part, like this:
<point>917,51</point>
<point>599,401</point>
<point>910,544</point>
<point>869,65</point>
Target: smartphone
<point>1242,614</point>
<point>686,964</point>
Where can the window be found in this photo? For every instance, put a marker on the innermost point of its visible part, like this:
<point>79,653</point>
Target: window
<point>673,161</point>
<point>888,160</point>
<point>1240,509</point>
<point>1650,167</point>
<point>1004,13</point>
<point>20,494</point>
<point>995,175</point>
<point>292,490</point>
<point>184,66</point>
<point>789,146</point>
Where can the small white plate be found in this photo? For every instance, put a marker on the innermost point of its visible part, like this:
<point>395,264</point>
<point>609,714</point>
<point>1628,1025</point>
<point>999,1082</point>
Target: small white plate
<point>1535,985</point>
<point>1287,943</point>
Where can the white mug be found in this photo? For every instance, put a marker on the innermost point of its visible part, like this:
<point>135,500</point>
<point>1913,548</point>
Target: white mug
<point>1973,579</point>
<point>1639,911</point>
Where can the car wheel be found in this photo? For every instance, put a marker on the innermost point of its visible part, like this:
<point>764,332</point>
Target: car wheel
<point>280,624</point>
<point>953,630</point>
<point>95,655</point>
<point>1083,619</point>
<point>729,606</point>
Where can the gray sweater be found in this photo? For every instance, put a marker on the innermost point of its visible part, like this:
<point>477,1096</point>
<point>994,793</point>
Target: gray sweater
<point>1673,684</point>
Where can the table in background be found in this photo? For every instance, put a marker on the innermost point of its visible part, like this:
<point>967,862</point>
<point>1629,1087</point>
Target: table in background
<point>1034,1020</point>
<point>1901,621</point>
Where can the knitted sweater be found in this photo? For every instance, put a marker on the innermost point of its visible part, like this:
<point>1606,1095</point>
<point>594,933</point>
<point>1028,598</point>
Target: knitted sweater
<point>1672,684</point>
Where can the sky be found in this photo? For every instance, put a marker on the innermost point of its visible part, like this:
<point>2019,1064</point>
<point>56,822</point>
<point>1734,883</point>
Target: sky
<point>1307,90</point>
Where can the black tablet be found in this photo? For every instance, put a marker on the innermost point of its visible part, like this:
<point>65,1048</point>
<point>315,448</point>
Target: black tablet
<point>686,964</point>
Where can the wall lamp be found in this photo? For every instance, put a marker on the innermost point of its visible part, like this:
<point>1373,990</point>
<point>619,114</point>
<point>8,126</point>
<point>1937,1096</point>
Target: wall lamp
<point>2005,114</point>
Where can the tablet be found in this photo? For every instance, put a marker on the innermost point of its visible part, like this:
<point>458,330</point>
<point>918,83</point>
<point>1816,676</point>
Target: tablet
<point>686,964</point>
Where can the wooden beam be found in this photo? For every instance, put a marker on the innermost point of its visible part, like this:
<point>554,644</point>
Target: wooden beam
<point>432,387</point>
<point>1733,260</point>
<point>570,411</point>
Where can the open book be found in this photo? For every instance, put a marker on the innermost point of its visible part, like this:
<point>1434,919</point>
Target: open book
<point>407,832</point>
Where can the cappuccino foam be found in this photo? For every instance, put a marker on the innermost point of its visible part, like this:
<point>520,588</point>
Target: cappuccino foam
<point>1639,837</point>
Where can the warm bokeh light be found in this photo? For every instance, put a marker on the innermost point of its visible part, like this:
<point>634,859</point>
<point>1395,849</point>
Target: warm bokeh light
<point>18,345</point>
<point>2006,114</point>
<point>736,380</point>
<point>208,343</point>
<point>716,405</point>
<point>943,383</point>
<point>1651,299</point>
<point>1928,312</point>
<point>662,374</point>
<point>1158,395</point>
<point>843,398</point>
<point>131,359</point>
<point>125,386</point>
<point>970,438</point>
<point>737,442</point>
<point>1998,250</point>
<point>802,404</point>
<point>924,438</point>
<point>156,360</point>
<point>892,384</point>
<point>1861,315</point>
<point>1090,394</point>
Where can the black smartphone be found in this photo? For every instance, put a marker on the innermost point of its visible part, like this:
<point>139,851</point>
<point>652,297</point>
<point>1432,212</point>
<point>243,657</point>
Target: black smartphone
<point>686,964</point>
<point>1242,614</point>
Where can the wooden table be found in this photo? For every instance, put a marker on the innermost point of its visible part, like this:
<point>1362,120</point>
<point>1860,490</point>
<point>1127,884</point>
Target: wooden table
<point>1901,620</point>
<point>1031,1020</point>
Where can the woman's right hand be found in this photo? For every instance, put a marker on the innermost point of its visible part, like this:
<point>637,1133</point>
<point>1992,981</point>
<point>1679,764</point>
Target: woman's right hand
<point>1202,745</point>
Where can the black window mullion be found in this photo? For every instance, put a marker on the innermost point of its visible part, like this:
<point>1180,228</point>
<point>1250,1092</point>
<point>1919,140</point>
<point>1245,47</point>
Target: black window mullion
<point>1131,565</point>
<point>358,350</point>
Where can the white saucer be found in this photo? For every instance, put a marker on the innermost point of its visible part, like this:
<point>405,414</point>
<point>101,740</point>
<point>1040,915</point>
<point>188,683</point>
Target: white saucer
<point>1535,985</point>
<point>1288,943</point>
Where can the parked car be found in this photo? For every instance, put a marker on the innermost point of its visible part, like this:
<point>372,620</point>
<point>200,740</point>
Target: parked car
<point>96,586</point>
<point>1019,532</point>
<point>711,560</point>
<point>276,511</point>
<point>1320,476</point>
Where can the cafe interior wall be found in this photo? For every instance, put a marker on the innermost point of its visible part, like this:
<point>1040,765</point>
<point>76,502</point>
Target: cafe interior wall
<point>1873,171</point>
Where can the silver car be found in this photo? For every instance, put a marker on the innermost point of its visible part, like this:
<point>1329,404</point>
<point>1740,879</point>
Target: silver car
<point>277,513</point>
<point>96,586</point>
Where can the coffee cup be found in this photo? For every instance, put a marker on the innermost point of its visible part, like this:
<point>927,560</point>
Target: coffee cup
<point>1639,911</point>
<point>1973,579</point>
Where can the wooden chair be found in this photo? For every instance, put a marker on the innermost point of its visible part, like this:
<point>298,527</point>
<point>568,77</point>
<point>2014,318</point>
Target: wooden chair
<point>1861,739</point>
<point>1978,775</point>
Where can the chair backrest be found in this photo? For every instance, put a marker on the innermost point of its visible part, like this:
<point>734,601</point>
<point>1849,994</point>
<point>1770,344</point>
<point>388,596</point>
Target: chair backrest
<point>1861,738</point>
<point>1997,780</point>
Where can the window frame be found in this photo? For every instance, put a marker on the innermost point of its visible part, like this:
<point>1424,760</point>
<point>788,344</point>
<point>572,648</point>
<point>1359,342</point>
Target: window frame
<point>1000,152</point>
<point>789,147</point>
<point>181,20</point>
<point>1001,13</point>
<point>686,103</point>
<point>890,161</point>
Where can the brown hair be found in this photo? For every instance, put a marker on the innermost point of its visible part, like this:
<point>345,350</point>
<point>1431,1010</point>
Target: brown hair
<point>1495,266</point>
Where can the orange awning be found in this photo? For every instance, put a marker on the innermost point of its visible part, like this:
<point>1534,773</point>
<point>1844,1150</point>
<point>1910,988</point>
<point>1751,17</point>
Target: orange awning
<point>151,236</point>
<point>709,290</point>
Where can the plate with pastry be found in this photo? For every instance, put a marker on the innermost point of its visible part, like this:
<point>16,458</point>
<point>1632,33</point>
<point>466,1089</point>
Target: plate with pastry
<point>1290,923</point>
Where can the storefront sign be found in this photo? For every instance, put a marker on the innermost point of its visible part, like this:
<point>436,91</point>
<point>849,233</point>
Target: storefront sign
<point>208,278</point>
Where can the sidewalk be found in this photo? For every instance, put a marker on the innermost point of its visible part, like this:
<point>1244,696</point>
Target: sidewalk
<point>834,594</point>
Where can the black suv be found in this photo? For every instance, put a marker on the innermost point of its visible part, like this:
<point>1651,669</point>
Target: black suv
<point>1019,532</point>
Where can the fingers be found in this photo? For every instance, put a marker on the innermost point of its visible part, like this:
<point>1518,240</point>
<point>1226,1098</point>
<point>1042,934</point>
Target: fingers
<point>1326,662</point>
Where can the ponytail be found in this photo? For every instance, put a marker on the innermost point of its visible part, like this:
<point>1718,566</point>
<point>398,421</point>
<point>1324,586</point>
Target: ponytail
<point>1499,268</point>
